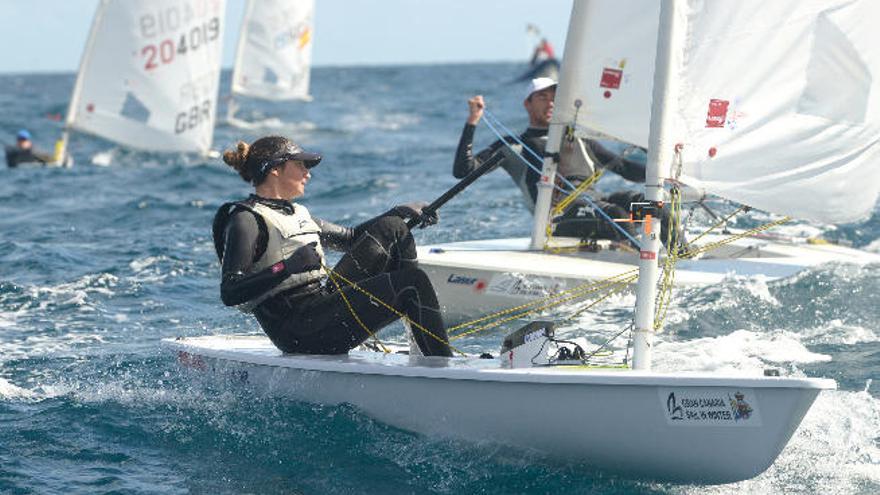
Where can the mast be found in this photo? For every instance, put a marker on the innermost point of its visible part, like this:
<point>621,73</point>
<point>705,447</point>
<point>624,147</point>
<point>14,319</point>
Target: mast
<point>239,53</point>
<point>61,145</point>
<point>564,104</point>
<point>660,153</point>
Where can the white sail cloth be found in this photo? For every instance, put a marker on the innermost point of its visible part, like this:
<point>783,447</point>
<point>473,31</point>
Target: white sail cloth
<point>778,103</point>
<point>150,74</point>
<point>274,50</point>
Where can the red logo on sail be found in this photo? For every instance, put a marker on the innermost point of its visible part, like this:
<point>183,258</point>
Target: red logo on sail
<point>717,113</point>
<point>611,78</point>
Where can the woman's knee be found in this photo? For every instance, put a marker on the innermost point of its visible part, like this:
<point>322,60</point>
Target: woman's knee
<point>389,225</point>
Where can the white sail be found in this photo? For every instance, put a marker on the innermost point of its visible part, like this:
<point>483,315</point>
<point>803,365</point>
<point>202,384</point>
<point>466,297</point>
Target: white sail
<point>779,105</point>
<point>611,71</point>
<point>275,50</point>
<point>150,74</point>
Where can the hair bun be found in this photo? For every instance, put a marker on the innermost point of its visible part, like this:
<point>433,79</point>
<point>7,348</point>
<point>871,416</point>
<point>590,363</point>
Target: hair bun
<point>236,158</point>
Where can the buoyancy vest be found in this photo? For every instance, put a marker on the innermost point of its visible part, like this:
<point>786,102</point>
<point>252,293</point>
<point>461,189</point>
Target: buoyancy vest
<point>283,234</point>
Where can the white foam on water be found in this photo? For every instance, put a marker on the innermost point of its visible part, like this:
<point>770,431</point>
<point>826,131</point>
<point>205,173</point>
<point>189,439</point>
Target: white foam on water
<point>34,345</point>
<point>11,391</point>
<point>836,332</point>
<point>272,123</point>
<point>742,350</point>
<point>154,269</point>
<point>834,451</point>
<point>757,286</point>
<point>103,158</point>
<point>370,120</point>
<point>874,247</point>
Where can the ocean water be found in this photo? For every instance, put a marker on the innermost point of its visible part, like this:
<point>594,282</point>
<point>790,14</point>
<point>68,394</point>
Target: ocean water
<point>100,262</point>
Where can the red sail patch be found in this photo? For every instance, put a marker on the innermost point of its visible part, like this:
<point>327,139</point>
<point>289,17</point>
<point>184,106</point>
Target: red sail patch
<point>611,78</point>
<point>717,113</point>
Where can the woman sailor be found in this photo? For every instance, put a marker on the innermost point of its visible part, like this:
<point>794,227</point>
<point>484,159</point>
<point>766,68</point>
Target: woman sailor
<point>272,256</point>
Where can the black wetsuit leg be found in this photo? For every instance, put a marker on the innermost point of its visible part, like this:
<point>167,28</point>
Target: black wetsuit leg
<point>387,245</point>
<point>383,263</point>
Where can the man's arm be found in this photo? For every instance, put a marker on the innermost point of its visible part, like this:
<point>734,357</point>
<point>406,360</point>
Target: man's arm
<point>465,161</point>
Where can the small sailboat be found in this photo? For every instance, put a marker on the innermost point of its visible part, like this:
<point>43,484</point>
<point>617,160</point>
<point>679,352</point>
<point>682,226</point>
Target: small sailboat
<point>149,75</point>
<point>274,55</point>
<point>776,141</point>
<point>542,60</point>
<point>685,427</point>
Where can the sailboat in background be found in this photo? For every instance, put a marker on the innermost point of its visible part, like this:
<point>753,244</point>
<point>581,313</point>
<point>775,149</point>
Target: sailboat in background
<point>149,75</point>
<point>794,136</point>
<point>274,54</point>
<point>773,60</point>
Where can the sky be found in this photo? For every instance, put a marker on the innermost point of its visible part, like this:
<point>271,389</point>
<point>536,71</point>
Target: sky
<point>48,35</point>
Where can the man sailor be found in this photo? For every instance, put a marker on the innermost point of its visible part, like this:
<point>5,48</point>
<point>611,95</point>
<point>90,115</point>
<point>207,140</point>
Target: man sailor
<point>579,220</point>
<point>24,152</point>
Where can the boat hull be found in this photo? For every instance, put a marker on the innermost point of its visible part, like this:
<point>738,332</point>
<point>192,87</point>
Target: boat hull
<point>475,278</point>
<point>638,425</point>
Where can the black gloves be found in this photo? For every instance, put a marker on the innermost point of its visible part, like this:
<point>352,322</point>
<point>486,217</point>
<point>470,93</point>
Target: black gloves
<point>416,211</point>
<point>304,259</point>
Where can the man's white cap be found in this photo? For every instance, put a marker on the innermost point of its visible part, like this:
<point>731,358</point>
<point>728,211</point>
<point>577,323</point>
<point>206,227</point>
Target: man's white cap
<point>539,83</point>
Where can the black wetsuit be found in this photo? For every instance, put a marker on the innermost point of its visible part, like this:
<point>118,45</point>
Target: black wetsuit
<point>16,155</point>
<point>315,318</point>
<point>579,220</point>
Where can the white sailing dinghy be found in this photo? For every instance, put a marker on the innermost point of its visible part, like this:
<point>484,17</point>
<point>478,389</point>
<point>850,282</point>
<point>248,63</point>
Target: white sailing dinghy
<point>775,136</point>
<point>149,75</point>
<point>274,54</point>
<point>694,427</point>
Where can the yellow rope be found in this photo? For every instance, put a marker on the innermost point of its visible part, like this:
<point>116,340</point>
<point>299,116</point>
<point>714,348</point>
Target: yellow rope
<point>718,224</point>
<point>574,295</point>
<point>708,247</point>
<point>559,209</point>
<point>386,306</point>
<point>354,313</point>
<point>667,279</point>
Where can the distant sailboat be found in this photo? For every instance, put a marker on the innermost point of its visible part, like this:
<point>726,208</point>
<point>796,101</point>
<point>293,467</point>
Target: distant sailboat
<point>149,75</point>
<point>274,54</point>
<point>543,61</point>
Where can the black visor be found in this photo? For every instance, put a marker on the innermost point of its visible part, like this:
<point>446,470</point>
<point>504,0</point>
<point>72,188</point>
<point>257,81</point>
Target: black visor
<point>291,152</point>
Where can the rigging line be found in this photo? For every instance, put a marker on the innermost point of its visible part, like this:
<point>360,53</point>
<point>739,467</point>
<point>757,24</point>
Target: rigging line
<point>584,288</point>
<point>379,301</point>
<point>355,315</point>
<point>533,310</point>
<point>563,179</point>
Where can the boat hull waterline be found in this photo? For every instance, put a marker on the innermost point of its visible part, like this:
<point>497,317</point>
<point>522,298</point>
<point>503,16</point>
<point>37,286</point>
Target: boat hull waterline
<point>687,428</point>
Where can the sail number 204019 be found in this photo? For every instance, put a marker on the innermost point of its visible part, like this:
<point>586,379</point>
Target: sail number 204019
<point>163,52</point>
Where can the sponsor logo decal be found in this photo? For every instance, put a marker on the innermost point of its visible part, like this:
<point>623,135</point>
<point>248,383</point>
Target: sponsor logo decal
<point>514,284</point>
<point>647,255</point>
<point>717,113</point>
<point>710,407</point>
<point>478,284</point>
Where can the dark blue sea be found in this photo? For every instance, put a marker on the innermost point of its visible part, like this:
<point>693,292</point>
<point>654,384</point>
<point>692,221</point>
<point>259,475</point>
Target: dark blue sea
<point>100,262</point>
